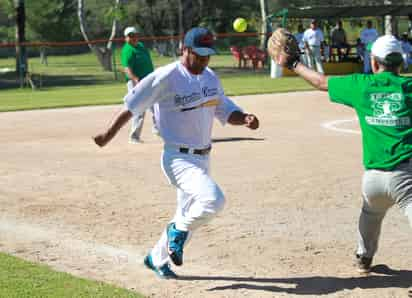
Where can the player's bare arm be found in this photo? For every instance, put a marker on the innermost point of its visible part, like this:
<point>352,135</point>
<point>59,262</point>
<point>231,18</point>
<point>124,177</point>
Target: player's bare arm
<point>119,121</point>
<point>316,79</point>
<point>240,118</point>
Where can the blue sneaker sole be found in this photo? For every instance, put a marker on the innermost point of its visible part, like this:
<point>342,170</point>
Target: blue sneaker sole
<point>149,265</point>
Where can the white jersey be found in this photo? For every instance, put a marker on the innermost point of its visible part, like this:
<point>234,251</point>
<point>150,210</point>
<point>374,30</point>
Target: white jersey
<point>299,39</point>
<point>313,37</point>
<point>369,35</point>
<point>187,104</point>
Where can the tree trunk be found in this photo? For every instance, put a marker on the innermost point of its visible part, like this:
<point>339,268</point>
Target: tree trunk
<point>21,57</point>
<point>103,53</point>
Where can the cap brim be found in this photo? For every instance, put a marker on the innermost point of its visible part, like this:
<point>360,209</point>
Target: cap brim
<point>204,51</point>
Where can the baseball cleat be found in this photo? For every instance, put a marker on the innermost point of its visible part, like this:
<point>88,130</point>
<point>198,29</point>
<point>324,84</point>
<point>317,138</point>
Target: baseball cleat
<point>175,242</point>
<point>163,272</point>
<point>363,264</point>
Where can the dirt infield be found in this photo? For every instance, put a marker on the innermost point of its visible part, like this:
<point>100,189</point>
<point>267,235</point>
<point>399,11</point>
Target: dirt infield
<point>288,228</point>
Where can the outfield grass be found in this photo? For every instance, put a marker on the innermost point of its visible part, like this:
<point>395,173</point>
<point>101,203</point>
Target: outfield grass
<point>112,93</point>
<point>22,279</point>
<point>78,80</point>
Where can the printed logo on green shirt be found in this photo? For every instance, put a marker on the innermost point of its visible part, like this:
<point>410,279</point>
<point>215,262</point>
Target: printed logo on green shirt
<point>384,106</point>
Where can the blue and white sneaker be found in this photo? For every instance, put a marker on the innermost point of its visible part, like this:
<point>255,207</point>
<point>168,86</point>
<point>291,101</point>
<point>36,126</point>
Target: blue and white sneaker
<point>163,272</point>
<point>175,242</point>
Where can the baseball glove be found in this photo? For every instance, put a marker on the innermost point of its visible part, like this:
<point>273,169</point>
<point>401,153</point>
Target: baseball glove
<point>283,43</point>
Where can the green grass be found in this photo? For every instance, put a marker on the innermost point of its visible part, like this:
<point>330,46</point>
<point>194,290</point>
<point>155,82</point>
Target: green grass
<point>24,279</point>
<point>112,93</point>
<point>77,80</point>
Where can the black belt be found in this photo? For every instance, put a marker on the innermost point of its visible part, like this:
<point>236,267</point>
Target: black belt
<point>195,151</point>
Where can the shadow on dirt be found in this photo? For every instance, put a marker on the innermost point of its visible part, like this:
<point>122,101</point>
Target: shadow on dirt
<point>383,277</point>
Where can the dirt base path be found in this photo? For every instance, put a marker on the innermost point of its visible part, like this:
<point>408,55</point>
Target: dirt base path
<point>288,228</point>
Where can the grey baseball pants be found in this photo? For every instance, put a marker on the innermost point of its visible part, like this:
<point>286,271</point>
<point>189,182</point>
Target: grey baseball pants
<point>380,191</point>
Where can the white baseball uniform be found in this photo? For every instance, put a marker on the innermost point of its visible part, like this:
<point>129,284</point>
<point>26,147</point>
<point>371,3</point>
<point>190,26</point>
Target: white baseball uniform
<point>187,105</point>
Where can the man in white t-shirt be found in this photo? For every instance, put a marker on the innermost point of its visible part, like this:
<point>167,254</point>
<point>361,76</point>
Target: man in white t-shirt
<point>368,37</point>
<point>313,40</point>
<point>189,97</point>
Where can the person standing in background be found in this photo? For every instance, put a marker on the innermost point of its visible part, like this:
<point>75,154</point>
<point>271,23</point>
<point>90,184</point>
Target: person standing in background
<point>137,63</point>
<point>368,37</point>
<point>313,40</point>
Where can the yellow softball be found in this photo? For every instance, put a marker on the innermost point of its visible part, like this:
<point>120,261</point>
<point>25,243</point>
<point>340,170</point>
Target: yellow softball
<point>240,25</point>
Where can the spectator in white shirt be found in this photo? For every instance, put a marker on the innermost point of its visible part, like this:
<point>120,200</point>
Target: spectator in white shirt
<point>313,40</point>
<point>368,37</point>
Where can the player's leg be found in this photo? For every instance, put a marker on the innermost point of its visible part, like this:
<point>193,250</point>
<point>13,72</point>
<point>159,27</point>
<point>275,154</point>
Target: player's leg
<point>199,201</point>
<point>401,188</point>
<point>136,129</point>
<point>318,59</point>
<point>376,202</point>
<point>309,58</point>
<point>137,121</point>
<point>160,253</point>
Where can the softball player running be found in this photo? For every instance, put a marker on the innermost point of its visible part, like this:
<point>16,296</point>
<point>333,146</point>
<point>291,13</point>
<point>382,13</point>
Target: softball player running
<point>189,96</point>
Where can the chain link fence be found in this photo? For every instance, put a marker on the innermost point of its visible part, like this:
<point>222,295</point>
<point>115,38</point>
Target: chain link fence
<point>76,63</point>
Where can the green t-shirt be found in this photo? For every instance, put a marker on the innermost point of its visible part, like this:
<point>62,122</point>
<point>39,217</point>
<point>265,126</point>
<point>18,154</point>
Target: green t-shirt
<point>383,103</point>
<point>137,58</point>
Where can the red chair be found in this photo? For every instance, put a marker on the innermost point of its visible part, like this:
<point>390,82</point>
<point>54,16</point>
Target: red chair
<point>237,54</point>
<point>255,55</point>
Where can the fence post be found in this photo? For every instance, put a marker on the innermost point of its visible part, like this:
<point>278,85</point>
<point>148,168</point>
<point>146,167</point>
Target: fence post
<point>114,61</point>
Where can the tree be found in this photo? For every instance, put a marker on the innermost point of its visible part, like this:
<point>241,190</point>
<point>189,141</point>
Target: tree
<point>44,16</point>
<point>103,53</point>
<point>21,57</point>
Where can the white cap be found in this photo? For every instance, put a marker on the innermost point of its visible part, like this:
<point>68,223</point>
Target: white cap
<point>386,45</point>
<point>130,30</point>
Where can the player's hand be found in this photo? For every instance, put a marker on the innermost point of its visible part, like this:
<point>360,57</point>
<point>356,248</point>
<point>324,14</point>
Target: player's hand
<point>251,121</point>
<point>101,139</point>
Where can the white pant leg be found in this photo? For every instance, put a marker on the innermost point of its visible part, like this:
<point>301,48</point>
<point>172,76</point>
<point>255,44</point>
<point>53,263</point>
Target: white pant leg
<point>137,126</point>
<point>367,62</point>
<point>317,59</point>
<point>137,121</point>
<point>199,198</point>
<point>309,59</point>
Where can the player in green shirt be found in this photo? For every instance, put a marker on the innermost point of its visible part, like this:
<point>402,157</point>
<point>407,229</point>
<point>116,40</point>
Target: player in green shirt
<point>383,103</point>
<point>137,64</point>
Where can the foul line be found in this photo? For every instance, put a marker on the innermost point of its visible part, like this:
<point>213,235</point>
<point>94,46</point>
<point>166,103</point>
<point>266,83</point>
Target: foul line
<point>25,233</point>
<point>333,125</point>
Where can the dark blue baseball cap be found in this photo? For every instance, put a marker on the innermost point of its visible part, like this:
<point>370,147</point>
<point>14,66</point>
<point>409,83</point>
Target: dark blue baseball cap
<point>201,41</point>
